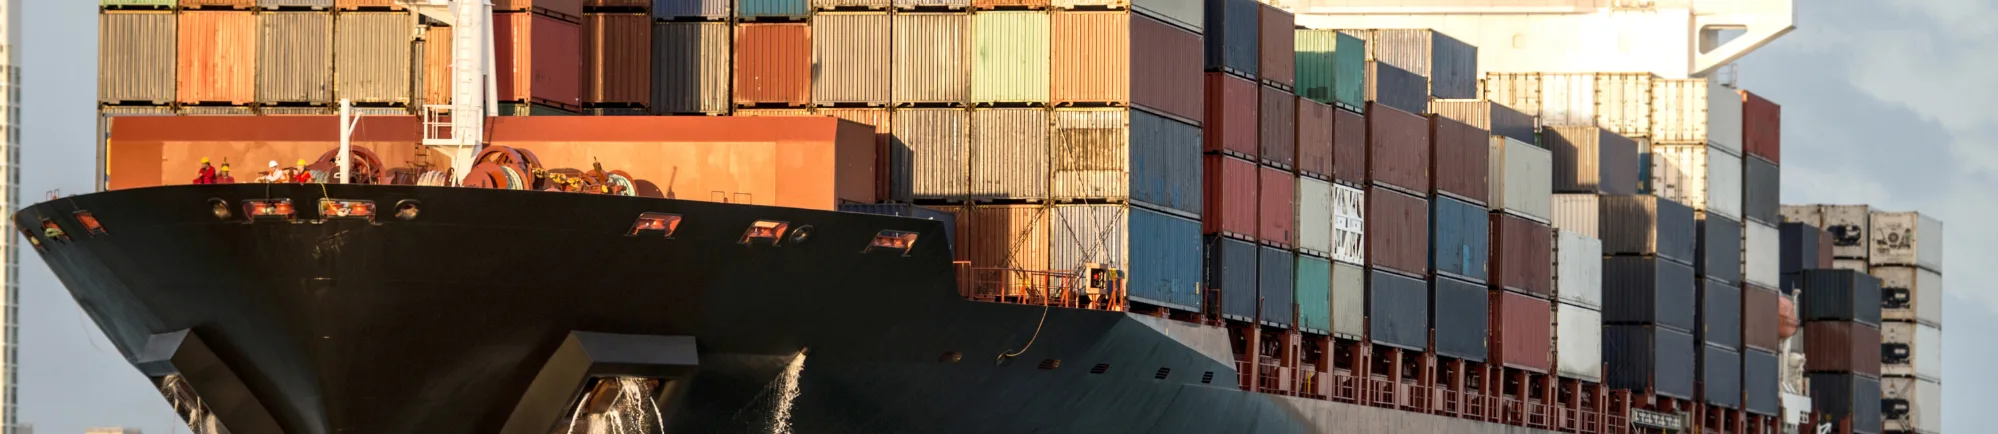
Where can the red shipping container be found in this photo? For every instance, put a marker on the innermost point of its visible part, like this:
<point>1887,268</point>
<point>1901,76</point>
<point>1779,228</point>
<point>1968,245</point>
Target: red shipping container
<point>1231,121</point>
<point>1278,39</point>
<point>567,10</point>
<point>1165,62</point>
<point>1759,317</point>
<point>1460,159</point>
<point>1314,138</point>
<point>618,58</point>
<point>1842,346</point>
<point>1762,127</point>
<point>1349,147</point>
<point>540,59</point>
<point>1397,228</point>
<point>1397,149</point>
<point>773,64</point>
<point>1278,195</point>
<point>1522,255</point>
<point>1229,202</point>
<point>1277,130</point>
<point>1522,337</point>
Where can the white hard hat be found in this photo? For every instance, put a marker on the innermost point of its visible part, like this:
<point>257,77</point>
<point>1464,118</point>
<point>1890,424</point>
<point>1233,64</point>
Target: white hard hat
<point>273,163</point>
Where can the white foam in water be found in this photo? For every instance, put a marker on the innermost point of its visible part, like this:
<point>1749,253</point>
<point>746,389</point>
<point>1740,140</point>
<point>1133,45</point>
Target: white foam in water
<point>787,390</point>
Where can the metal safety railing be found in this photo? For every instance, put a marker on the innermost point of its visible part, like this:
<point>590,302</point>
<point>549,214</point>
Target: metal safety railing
<point>1386,393</point>
<point>1038,287</point>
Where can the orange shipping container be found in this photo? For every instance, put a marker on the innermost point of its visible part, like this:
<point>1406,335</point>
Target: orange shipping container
<point>1092,58</point>
<point>539,60</point>
<point>1009,236</point>
<point>218,4</point>
<point>218,57</point>
<point>617,58</point>
<point>437,65</point>
<point>773,64</point>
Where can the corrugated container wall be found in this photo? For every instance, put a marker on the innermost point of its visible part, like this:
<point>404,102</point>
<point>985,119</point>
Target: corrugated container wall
<point>1808,214</point>
<point>772,9</point>
<point>1084,234</point>
<point>1185,14</point>
<point>1009,236</point>
<point>1276,215</point>
<point>1760,322</point>
<point>1592,160</point>
<point>1231,269</point>
<point>371,61</point>
<point>544,54</point>
<point>1009,57</point>
<point>1558,99</point>
<point>1578,213</point>
<point>1230,203</point>
<point>1397,154</point>
<point>637,4</point>
<point>691,64</point>
<point>1762,261</point>
<point>1910,293</point>
<point>1842,346</point>
<point>1398,225</point>
<point>1906,238</point>
<point>1639,290</point>
<point>1397,88</point>
<point>996,4</point>
<point>234,4</point>
<point>1762,191</point>
<point>1911,405</point>
<point>135,54</point>
<point>567,10</point>
<point>1165,163</point>
<point>1275,282</point>
<point>1460,239</point>
<point>1164,67</point>
<point>850,4</point>
<point>1840,295</point>
<point>931,61</point>
<point>1231,118</point>
<point>1331,68</point>
<point>1349,147</point>
<point>1578,269</point>
<point>1349,212</point>
<point>1522,255</point>
<point>1760,396</point>
<point>217,57</point>
<point>936,4</point>
<point>1625,103</point>
<point>162,4</point>
<point>1092,54</point>
<point>1460,159</point>
<point>773,64</point>
<point>1578,338</point>
<point>1397,310</point>
<point>1491,116</point>
<point>710,9</point>
<point>1349,300</point>
<point>1720,314</point>
<point>1761,127</point>
<point>850,53</point>
<point>1314,216</point>
<point>1911,350</point>
<point>1277,38</point>
<point>295,58</point>
<point>1314,138</point>
<point>1521,334</point>
<point>931,154</point>
<point>1801,247</point>
<point>1165,260</point>
<point>1647,225</point>
<point>1696,111</point>
<point>1848,225</point>
<point>617,58</point>
<point>1276,132</point>
<point>1518,90</point>
<point>1450,64</point>
<point>1720,376</point>
<point>1091,149</point>
<point>1313,292</point>
<point>1718,255</point>
<point>1640,357</point>
<point>1838,397</point>
<point>1521,179</point>
<point>313,4</point>
<point>437,65</point>
<point>1009,153</point>
<point>1233,36</point>
<point>1699,175</point>
<point>1458,312</point>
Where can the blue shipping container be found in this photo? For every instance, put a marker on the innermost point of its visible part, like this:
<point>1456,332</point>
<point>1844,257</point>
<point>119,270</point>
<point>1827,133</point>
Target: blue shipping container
<point>1460,239</point>
<point>1720,314</point>
<point>1459,315</point>
<point>1165,163</point>
<point>673,9</point>
<point>1314,294</point>
<point>1720,376</point>
<point>1233,40</point>
<point>1648,290</point>
<point>1645,356</point>
<point>1397,310</point>
<point>911,211</point>
<point>1718,255</point>
<point>1165,260</point>
<point>1231,269</point>
<point>773,9</point>
<point>1841,295</point>
<point>1278,277</point>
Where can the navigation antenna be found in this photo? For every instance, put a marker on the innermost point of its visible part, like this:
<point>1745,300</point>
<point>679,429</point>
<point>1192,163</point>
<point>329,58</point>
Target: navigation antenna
<point>458,128</point>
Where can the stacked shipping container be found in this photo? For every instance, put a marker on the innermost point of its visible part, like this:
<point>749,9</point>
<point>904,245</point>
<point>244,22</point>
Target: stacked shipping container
<point>1842,332</point>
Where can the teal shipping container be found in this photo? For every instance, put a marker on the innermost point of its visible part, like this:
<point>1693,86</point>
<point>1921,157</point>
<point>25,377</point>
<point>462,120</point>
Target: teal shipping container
<point>1331,68</point>
<point>1010,56</point>
<point>798,9</point>
<point>1165,264</point>
<point>1314,294</point>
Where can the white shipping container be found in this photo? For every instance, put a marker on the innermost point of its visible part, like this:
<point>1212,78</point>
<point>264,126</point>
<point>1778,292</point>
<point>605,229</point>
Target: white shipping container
<point>1699,176</point>
<point>1762,254</point>
<point>1009,153</point>
<point>1083,234</point>
<point>1806,214</point>
<point>1578,269</point>
<point>1567,99</point>
<point>1910,294</point>
<point>1911,350</point>
<point>930,154</point>
<point>1906,238</point>
<point>1522,178</point>
<point>1349,223</point>
<point>1624,103</point>
<point>1848,225</point>
<point>1578,342</point>
<point>1920,399</point>
<point>1696,111</point>
<point>1577,212</point>
<point>1314,216</point>
<point>1518,90</point>
<point>1349,300</point>
<point>850,53</point>
<point>1850,264</point>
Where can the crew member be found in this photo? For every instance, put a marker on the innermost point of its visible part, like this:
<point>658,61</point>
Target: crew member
<point>300,175</point>
<point>206,175</point>
<point>223,176</point>
<point>277,174</point>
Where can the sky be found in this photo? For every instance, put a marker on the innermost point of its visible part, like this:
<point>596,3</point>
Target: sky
<point>1885,102</point>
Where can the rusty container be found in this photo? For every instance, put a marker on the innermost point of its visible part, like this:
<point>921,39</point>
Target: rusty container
<point>1009,236</point>
<point>690,63</point>
<point>1397,149</point>
<point>539,59</point>
<point>135,57</point>
<point>1090,154</point>
<point>437,65</point>
<point>773,64</point>
<point>1842,346</point>
<point>1522,255</point>
<point>1397,228</point>
<point>1009,153</point>
<point>1314,138</point>
<point>931,59</point>
<point>1165,64</point>
<point>565,10</point>
<point>1231,120</point>
<point>295,58</point>
<point>1277,194</point>
<point>617,59</point>
<point>1762,127</point>
<point>218,57</point>
<point>1460,160</point>
<point>930,154</point>
<point>1522,337</point>
<point>1277,130</point>
<point>1349,147</point>
<point>850,52</point>
<point>1760,317</point>
<point>1230,203</point>
<point>1277,37</point>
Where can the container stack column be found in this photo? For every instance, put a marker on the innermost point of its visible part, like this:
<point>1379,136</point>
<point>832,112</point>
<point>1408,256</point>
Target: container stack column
<point>1329,70</point>
<point>1762,261</point>
<point>1842,332</point>
<point>1906,254</point>
<point>1589,163</point>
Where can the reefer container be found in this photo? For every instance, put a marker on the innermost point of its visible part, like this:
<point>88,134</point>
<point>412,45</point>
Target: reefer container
<point>1398,225</point>
<point>1314,217</point>
<point>217,57</point>
<point>1277,40</point>
<point>1911,350</point>
<point>537,58</point>
<point>1349,147</point>
<point>1626,103</point>
<point>931,154</point>
<point>1460,159</point>
<point>1841,295</point>
<point>691,62</point>
<point>1804,246</point>
<point>1698,175</point>
<point>135,54</point>
<point>295,58</point>
<point>1720,314</point>
<point>1911,405</point>
<point>1397,150</point>
<point>677,9</point>
<point>1760,318</point>
<point>1761,261</point>
<point>1349,300</point>
<point>1458,312</point>
<point>1522,255</point>
<point>1009,153</point>
<point>1164,68</point>
<point>1165,260</point>
<point>773,64</point>
<point>372,52</point>
<point>1275,285</point>
<point>1231,269</point>
<point>1641,357</point>
<point>1276,131</point>
<point>1848,225</point>
<point>1759,374</point>
<point>1521,179</point>
<point>1230,198</point>
<point>1314,138</point>
<point>1696,111</point>
<point>1521,334</point>
<point>1090,57</point>
<point>1313,292</point>
<point>1331,67</point>
<point>1761,127</point>
<point>1459,239</point>
<point>1762,190</point>
<point>617,58</point>
<point>1850,264</point>
<point>1231,118</point>
<point>1189,15</point>
<point>1720,376</point>
<point>1578,269</point>
<point>1719,253</point>
<point>1091,149</point>
<point>1165,163</point>
<point>772,9</point>
<point>1080,235</point>
<point>1233,36</point>
<point>1276,214</point>
<point>1841,396</point>
<point>850,58</point>
<point>1397,310</point>
<point>1578,339</point>
<point>1647,225</point>
<point>1009,236</point>
<point>947,219</point>
<point>1497,118</point>
<point>1349,224</point>
<point>1577,212</point>
<point>932,59</point>
<point>1395,87</point>
<point>1450,64</point>
<point>1910,293</point>
<point>1843,346</point>
<point>1906,238</point>
<point>1808,214</point>
<point>1592,160</point>
<point>1647,290</point>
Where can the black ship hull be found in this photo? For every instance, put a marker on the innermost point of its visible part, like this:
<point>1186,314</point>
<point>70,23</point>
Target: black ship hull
<point>447,322</point>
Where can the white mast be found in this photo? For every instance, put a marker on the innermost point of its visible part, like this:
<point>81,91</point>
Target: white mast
<point>473,90</point>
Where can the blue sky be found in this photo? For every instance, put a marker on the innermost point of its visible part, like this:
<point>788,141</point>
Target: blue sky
<point>1886,102</point>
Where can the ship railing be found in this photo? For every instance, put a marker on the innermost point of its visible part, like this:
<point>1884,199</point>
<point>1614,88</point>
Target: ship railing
<point>1539,415</point>
<point>1614,424</point>
<point>1036,287</point>
<point>1313,384</point>
<point>1345,388</point>
<point>1380,392</point>
<point>1418,398</point>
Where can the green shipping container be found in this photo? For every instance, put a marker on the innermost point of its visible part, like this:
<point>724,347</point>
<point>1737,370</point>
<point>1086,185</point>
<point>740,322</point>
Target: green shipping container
<point>1314,294</point>
<point>139,3</point>
<point>1009,57</point>
<point>1331,68</point>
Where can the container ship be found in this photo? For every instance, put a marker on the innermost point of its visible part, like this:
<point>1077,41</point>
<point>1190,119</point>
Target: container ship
<point>876,216</point>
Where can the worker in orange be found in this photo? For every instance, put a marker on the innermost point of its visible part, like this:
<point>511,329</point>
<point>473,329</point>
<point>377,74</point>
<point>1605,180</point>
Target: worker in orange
<point>223,177</point>
<point>300,175</point>
<point>206,175</point>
